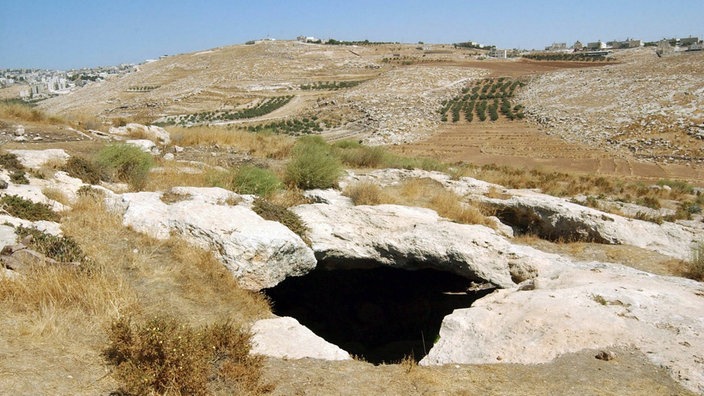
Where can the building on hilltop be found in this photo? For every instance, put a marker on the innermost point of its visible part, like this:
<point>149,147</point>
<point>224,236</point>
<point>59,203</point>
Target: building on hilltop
<point>557,47</point>
<point>597,45</point>
<point>578,46</point>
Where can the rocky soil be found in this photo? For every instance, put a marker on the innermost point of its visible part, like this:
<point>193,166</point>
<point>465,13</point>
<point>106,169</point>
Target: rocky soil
<point>649,106</point>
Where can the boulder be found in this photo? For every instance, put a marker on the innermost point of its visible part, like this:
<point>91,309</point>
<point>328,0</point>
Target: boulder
<point>578,306</point>
<point>145,145</point>
<point>151,132</point>
<point>410,238</point>
<point>35,159</point>
<point>285,338</point>
<point>259,253</point>
<point>556,218</point>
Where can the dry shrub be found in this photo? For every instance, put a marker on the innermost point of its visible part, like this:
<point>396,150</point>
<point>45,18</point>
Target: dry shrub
<point>17,206</point>
<point>84,169</point>
<point>21,111</point>
<point>449,205</point>
<point>367,193</point>
<point>695,267</point>
<point>289,197</point>
<point>167,356</point>
<point>60,248</point>
<point>274,212</point>
<point>261,145</point>
<point>172,174</point>
<point>55,194</point>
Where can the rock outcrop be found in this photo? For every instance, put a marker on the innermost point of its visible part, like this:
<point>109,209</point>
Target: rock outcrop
<point>35,159</point>
<point>575,306</point>
<point>151,132</point>
<point>285,338</point>
<point>258,252</point>
<point>345,236</point>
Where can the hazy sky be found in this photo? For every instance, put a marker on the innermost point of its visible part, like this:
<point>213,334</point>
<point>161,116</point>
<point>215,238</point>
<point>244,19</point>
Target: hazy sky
<point>62,34</point>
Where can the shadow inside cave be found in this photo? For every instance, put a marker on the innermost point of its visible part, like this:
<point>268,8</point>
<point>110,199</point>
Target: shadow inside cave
<point>381,314</point>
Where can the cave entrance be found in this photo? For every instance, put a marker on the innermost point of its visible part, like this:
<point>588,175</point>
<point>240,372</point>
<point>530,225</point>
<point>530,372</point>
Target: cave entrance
<point>381,314</point>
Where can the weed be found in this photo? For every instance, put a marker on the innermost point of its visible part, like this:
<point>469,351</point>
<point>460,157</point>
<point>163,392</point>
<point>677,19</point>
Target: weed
<point>126,163</point>
<point>357,155</point>
<point>10,162</point>
<point>166,356</point>
<point>600,299</point>
<point>55,194</point>
<point>254,180</point>
<point>17,206</point>
<point>84,169</point>
<point>695,267</point>
<point>60,248</point>
<point>313,165</point>
<point>260,145</point>
<point>274,212</point>
<point>19,177</point>
<point>366,193</point>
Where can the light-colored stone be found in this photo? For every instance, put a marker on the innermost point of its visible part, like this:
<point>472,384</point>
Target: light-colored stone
<point>151,132</point>
<point>408,238</point>
<point>35,159</point>
<point>258,252</point>
<point>582,306</point>
<point>145,145</point>
<point>285,338</point>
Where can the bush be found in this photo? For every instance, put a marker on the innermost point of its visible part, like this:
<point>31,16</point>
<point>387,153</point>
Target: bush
<point>271,211</point>
<point>695,267</point>
<point>126,163</point>
<point>164,356</point>
<point>312,165</point>
<point>17,206</point>
<point>60,248</point>
<point>10,162</point>
<point>253,180</point>
<point>83,169</point>
<point>365,193</point>
<point>355,154</point>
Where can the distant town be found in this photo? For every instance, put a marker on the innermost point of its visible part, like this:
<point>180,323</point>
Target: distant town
<point>39,84</point>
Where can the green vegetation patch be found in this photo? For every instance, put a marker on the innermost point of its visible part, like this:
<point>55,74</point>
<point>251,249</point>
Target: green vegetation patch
<point>271,211</point>
<point>126,163</point>
<point>17,206</point>
<point>60,248</point>
<point>312,165</point>
<point>293,127</point>
<point>263,107</point>
<point>250,179</point>
<point>567,57</point>
<point>488,98</point>
<point>329,85</point>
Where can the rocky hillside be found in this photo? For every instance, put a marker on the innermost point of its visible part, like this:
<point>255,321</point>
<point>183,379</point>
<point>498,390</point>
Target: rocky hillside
<point>649,106</point>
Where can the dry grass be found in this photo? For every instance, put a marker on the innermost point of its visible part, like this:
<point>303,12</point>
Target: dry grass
<point>258,145</point>
<point>174,174</point>
<point>56,195</point>
<point>289,197</point>
<point>422,192</point>
<point>16,110</point>
<point>55,320</point>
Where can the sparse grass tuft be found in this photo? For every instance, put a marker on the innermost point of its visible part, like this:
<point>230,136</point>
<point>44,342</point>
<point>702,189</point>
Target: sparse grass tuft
<point>312,165</point>
<point>366,193</point>
<point>260,145</point>
<point>167,356</point>
<point>126,163</point>
<point>274,212</point>
<point>17,206</point>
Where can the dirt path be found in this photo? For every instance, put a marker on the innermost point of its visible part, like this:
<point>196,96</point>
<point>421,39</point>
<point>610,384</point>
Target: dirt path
<point>630,373</point>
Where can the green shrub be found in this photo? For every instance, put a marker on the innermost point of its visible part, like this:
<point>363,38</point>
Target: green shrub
<point>271,211</point>
<point>84,169</point>
<point>254,180</point>
<point>677,186</point>
<point>60,248</point>
<point>10,162</point>
<point>165,356</point>
<point>126,163</point>
<point>19,177</point>
<point>312,165</point>
<point>695,267</point>
<point>17,206</point>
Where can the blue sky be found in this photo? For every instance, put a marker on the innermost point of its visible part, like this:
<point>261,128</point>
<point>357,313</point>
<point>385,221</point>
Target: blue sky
<point>62,34</point>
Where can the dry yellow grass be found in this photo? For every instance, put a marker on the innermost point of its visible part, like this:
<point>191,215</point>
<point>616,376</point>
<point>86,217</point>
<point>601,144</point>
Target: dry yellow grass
<point>54,320</point>
<point>256,144</point>
<point>421,192</point>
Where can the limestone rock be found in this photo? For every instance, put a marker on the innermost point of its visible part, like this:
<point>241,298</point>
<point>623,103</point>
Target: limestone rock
<point>259,253</point>
<point>582,306</point>
<point>556,218</point>
<point>151,132</point>
<point>287,339</point>
<point>408,238</point>
<point>145,145</point>
<point>34,159</point>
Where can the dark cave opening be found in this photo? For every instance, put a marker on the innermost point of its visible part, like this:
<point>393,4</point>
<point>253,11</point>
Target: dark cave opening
<point>380,314</point>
